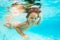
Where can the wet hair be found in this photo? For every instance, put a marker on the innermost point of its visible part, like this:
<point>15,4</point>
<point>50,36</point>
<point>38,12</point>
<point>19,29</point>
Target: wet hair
<point>36,10</point>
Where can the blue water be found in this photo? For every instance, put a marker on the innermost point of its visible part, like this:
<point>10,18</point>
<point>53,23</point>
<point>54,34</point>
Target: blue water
<point>48,29</point>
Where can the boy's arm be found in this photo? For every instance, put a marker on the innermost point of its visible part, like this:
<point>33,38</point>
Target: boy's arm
<point>19,31</point>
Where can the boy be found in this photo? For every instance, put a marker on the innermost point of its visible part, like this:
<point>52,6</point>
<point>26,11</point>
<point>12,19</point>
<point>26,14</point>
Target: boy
<point>32,16</point>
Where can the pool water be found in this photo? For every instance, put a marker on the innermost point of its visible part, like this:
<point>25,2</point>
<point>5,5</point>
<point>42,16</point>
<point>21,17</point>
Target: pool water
<point>48,29</point>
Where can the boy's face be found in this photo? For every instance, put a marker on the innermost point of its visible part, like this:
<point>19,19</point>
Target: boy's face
<point>32,17</point>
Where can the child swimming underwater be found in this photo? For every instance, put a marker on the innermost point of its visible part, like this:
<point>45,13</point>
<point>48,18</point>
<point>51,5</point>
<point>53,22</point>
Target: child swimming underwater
<point>32,16</point>
<point>18,24</point>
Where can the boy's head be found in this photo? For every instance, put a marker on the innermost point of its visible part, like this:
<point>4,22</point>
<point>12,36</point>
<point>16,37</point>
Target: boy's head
<point>34,11</point>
